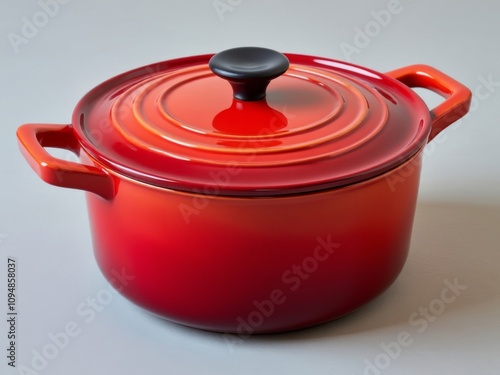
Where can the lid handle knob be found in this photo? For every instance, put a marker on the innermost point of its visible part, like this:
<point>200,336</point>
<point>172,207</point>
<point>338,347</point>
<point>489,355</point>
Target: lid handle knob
<point>249,70</point>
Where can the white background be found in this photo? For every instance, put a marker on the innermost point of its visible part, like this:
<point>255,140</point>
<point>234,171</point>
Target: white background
<point>457,225</point>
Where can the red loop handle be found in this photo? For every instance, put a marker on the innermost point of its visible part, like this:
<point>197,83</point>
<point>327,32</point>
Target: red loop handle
<point>32,140</point>
<point>457,96</point>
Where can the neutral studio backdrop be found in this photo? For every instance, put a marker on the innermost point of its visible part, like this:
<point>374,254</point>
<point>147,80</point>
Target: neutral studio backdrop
<point>46,69</point>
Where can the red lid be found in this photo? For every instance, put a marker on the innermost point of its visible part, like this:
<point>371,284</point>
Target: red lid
<point>319,124</point>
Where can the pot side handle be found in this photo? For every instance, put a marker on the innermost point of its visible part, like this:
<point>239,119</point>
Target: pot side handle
<point>457,96</point>
<point>32,140</point>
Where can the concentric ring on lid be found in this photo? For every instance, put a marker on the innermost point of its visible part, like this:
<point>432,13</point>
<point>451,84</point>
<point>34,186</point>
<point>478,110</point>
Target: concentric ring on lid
<point>157,120</point>
<point>323,124</point>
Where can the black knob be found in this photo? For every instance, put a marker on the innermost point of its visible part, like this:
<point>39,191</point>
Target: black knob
<point>249,70</point>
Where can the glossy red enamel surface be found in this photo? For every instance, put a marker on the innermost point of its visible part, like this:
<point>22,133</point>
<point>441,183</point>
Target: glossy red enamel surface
<point>322,124</point>
<point>211,261</point>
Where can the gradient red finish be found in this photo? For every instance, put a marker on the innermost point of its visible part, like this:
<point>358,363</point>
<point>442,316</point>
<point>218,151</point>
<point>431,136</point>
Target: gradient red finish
<point>208,261</point>
<point>235,252</point>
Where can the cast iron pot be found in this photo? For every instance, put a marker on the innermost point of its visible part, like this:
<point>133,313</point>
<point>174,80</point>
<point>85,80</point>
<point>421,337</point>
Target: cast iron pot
<point>254,206</point>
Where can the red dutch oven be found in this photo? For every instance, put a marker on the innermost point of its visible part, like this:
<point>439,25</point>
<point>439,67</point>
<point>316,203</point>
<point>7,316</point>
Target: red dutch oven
<point>280,200</point>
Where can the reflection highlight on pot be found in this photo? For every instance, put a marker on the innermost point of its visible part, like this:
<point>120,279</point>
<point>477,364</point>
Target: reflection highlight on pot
<point>256,121</point>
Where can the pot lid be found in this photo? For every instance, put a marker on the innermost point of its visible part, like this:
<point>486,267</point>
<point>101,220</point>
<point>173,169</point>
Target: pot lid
<point>251,121</point>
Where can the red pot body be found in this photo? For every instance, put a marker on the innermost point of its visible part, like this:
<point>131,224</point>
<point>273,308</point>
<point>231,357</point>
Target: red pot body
<point>255,265</point>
